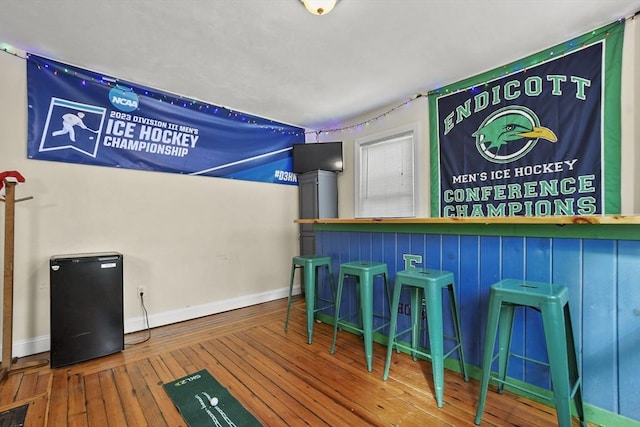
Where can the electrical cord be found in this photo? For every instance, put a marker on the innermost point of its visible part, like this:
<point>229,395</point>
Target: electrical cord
<point>146,320</point>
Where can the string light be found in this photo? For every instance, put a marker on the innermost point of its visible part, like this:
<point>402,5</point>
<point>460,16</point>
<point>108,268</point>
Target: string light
<point>504,71</point>
<point>367,122</point>
<point>516,67</point>
<point>159,96</point>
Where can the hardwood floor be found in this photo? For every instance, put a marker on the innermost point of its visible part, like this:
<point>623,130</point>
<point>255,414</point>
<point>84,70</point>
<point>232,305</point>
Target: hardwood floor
<point>277,376</point>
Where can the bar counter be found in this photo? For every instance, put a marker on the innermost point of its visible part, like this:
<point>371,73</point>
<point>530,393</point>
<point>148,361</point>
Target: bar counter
<point>596,257</point>
<point>601,219</point>
<point>623,226</point>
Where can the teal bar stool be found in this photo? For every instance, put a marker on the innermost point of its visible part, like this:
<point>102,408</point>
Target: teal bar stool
<point>426,286</point>
<point>310,265</point>
<point>365,273</point>
<point>552,301</point>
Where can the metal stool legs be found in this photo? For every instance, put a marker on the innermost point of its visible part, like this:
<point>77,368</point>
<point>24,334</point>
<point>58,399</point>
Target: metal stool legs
<point>552,302</point>
<point>365,272</point>
<point>428,284</point>
<point>310,265</point>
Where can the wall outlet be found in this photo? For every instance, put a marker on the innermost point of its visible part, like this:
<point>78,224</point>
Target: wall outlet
<point>140,290</point>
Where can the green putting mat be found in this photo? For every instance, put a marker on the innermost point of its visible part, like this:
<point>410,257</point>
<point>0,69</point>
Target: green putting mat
<point>192,396</point>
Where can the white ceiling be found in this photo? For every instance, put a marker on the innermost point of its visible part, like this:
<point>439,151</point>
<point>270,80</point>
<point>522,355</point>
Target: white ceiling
<point>273,59</point>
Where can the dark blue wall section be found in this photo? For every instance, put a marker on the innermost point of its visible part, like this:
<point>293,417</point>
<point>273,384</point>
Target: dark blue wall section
<point>603,277</point>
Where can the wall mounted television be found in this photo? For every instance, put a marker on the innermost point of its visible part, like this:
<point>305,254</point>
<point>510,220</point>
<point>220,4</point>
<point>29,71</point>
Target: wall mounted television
<point>317,156</point>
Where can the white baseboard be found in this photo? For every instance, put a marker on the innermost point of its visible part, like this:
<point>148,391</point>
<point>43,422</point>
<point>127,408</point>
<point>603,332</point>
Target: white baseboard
<point>42,343</point>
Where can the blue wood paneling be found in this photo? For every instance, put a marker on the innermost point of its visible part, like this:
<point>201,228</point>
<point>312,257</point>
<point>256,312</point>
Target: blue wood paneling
<point>381,304</point>
<point>513,257</point>
<point>490,273</point>
<point>628,328</point>
<point>450,262</point>
<point>599,361</point>
<point>603,277</point>
<point>531,337</point>
<point>566,260</point>
<point>468,294</point>
<point>434,251</point>
<point>405,244</point>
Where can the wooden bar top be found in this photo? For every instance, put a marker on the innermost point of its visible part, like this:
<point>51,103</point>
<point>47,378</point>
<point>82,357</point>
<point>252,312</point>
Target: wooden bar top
<point>595,219</point>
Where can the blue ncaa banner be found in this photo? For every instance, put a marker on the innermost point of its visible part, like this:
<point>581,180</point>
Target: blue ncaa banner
<point>539,137</point>
<point>79,116</point>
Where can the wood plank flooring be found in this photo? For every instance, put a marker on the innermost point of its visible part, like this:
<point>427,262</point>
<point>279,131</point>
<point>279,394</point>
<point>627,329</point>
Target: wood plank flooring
<point>277,376</point>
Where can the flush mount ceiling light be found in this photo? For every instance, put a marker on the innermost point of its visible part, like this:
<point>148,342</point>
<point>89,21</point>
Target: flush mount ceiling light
<point>319,7</point>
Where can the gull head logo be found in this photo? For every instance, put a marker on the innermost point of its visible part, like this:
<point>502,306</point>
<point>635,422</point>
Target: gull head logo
<point>509,133</point>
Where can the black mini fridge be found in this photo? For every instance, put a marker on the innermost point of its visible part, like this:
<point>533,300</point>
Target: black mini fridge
<point>87,319</point>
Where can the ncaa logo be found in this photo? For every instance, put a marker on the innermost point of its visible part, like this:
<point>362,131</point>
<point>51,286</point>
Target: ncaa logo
<point>123,100</point>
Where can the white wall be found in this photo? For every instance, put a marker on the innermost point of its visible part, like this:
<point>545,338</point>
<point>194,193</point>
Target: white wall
<point>417,111</point>
<point>199,245</point>
<point>630,113</point>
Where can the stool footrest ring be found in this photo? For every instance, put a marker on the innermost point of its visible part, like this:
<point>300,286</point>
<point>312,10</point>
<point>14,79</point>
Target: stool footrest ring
<point>523,389</point>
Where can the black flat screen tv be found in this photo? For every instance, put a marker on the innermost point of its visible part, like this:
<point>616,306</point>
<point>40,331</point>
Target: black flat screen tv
<point>317,156</point>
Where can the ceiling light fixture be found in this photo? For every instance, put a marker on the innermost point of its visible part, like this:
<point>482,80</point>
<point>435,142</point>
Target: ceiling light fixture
<point>319,7</point>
